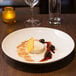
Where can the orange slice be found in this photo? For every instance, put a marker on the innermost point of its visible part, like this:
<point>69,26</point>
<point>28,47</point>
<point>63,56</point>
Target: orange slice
<point>30,44</point>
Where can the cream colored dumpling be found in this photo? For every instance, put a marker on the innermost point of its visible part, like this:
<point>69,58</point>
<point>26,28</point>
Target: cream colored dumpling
<point>38,47</point>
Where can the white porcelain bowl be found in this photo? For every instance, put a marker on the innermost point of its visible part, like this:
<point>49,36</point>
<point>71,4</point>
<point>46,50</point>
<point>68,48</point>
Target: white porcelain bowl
<point>63,42</point>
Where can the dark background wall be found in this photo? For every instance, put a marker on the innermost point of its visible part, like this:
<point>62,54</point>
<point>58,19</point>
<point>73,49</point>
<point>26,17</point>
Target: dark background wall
<point>67,6</point>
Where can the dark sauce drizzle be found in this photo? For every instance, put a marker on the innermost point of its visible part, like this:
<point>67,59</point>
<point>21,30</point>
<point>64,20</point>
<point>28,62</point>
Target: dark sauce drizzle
<point>50,50</point>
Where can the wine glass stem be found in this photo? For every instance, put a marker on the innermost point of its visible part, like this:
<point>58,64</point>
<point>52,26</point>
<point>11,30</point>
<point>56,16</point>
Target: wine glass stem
<point>32,13</point>
<point>32,19</point>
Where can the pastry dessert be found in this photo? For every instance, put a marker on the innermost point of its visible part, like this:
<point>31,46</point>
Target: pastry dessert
<point>38,47</point>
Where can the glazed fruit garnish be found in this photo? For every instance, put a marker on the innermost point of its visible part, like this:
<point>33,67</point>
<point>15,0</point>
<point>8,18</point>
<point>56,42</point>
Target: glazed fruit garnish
<point>52,48</point>
<point>42,40</point>
<point>47,56</point>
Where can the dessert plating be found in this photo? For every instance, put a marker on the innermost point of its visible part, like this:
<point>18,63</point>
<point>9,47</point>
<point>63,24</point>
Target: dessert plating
<point>35,47</point>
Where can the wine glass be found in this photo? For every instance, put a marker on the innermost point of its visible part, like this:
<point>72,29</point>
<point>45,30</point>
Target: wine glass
<point>32,21</point>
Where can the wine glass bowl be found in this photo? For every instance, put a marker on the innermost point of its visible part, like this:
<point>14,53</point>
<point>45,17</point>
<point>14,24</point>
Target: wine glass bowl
<point>31,3</point>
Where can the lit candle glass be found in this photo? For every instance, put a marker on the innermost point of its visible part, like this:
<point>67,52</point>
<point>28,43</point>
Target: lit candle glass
<point>9,15</point>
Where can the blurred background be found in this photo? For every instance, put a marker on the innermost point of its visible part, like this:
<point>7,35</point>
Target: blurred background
<point>67,6</point>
